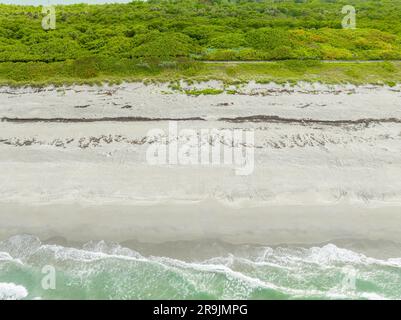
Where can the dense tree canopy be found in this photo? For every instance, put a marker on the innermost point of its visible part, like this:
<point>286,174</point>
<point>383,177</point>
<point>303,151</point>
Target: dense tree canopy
<point>205,30</point>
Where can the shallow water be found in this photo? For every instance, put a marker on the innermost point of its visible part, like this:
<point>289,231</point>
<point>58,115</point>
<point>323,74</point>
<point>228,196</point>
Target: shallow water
<point>100,270</point>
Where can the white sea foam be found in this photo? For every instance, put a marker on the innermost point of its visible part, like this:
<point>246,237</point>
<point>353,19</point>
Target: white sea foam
<point>283,271</point>
<point>5,256</point>
<point>11,291</point>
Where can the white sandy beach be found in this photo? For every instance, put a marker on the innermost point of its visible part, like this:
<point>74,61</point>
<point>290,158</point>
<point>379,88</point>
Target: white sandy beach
<point>327,165</point>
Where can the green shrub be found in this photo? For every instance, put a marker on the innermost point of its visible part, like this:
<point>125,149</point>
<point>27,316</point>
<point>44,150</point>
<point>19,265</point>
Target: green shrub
<point>228,41</point>
<point>157,31</point>
<point>85,68</point>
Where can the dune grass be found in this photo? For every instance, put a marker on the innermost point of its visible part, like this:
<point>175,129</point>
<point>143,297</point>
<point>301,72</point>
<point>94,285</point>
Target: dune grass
<point>96,71</point>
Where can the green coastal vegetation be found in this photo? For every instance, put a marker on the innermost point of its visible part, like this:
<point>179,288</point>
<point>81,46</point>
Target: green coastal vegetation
<point>87,71</point>
<point>162,40</point>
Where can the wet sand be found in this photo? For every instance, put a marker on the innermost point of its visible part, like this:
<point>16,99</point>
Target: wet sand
<point>206,220</point>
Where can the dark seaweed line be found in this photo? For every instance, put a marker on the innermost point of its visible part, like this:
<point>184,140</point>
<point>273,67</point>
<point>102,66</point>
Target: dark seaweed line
<point>255,119</point>
<point>277,119</point>
<point>106,119</point>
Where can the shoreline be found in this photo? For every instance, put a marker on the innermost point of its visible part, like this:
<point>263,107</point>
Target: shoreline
<point>207,221</point>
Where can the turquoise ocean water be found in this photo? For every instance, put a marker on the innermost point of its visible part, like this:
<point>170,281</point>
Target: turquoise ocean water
<point>101,270</point>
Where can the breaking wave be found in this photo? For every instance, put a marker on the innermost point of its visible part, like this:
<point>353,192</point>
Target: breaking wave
<point>102,270</point>
<point>11,291</point>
